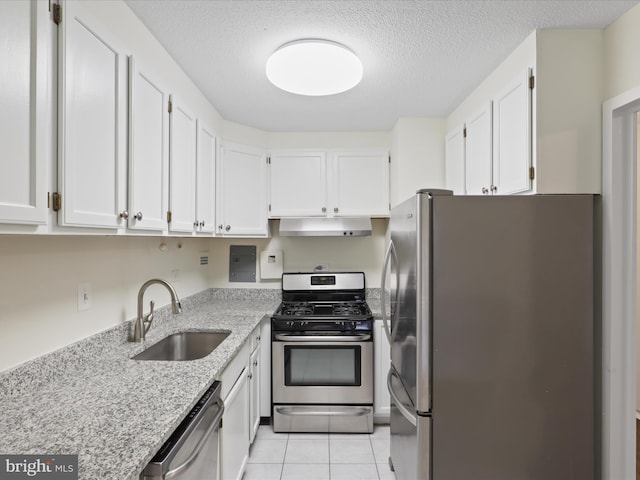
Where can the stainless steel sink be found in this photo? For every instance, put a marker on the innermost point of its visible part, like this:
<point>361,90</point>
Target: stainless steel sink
<point>183,346</point>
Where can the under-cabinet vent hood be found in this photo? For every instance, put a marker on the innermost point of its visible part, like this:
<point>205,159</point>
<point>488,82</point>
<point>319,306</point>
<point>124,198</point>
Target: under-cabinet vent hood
<point>325,227</point>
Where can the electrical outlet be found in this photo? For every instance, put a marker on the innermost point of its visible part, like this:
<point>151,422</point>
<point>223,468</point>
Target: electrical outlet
<point>84,296</point>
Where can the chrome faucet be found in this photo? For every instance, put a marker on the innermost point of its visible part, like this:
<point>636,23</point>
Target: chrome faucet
<point>143,322</point>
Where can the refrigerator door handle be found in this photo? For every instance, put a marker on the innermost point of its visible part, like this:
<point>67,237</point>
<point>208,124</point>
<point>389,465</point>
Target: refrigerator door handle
<point>411,418</point>
<point>388,323</point>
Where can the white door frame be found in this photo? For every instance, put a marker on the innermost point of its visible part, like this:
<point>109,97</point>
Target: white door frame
<point>619,285</point>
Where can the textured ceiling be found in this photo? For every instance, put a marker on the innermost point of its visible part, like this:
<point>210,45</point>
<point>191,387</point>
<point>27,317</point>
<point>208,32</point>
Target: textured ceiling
<point>420,57</point>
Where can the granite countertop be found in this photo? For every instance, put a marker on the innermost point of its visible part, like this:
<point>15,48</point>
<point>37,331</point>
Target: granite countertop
<point>90,399</point>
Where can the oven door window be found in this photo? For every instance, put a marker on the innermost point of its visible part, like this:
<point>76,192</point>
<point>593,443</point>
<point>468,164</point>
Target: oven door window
<point>322,366</point>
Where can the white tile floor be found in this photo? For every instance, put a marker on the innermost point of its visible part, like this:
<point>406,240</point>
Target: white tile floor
<point>319,456</point>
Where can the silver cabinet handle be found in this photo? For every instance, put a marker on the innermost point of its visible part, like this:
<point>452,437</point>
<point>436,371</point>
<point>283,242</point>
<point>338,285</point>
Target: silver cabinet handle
<point>220,227</point>
<point>324,209</point>
<point>195,224</point>
<point>335,210</point>
<point>202,223</point>
<point>250,376</point>
<point>485,191</point>
<point>322,338</point>
<point>494,189</point>
<point>255,363</point>
<point>403,410</point>
<point>258,338</point>
<point>138,216</point>
<point>227,228</point>
<point>124,214</point>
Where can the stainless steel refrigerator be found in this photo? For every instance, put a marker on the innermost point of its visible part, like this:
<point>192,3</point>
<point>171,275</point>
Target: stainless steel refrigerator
<point>492,316</point>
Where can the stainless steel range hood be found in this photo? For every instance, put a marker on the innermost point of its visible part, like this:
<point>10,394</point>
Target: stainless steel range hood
<point>325,227</point>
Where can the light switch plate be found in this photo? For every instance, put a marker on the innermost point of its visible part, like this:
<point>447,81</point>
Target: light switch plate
<point>84,296</point>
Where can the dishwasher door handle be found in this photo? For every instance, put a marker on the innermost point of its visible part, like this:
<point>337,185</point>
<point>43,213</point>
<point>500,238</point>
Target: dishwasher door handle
<point>198,448</point>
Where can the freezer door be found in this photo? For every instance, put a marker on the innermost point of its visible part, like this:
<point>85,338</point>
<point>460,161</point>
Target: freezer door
<point>513,338</point>
<point>410,435</point>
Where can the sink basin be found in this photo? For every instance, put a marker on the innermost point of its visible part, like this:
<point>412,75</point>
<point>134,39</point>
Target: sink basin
<point>183,346</point>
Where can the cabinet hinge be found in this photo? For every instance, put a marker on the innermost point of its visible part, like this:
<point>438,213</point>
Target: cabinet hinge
<point>169,216</point>
<point>57,13</point>
<point>268,160</point>
<point>56,201</point>
<point>389,158</point>
<point>464,132</point>
<point>532,82</point>
<point>170,106</point>
<point>269,207</point>
<point>532,173</point>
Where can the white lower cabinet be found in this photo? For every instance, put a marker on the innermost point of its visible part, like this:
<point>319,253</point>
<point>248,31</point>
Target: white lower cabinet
<point>254,392</point>
<point>234,441</point>
<point>241,381</point>
<point>382,359</point>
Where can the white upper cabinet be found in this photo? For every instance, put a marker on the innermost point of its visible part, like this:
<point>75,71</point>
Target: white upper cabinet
<point>360,184</point>
<point>298,184</point>
<point>454,168</point>
<point>148,149</point>
<point>92,105</point>
<point>329,183</point>
<point>478,152</point>
<point>496,150</point>
<point>512,137</point>
<point>182,170</point>
<point>205,180</point>
<point>23,125</point>
<point>242,191</point>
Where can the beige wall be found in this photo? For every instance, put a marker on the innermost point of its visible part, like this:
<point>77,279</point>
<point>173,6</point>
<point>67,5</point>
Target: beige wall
<point>302,254</point>
<point>621,47</point>
<point>417,156</point>
<point>622,73</point>
<point>638,265</point>
<point>40,276</point>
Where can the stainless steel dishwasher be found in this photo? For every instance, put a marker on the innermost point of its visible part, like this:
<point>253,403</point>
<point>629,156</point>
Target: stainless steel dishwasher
<point>191,453</point>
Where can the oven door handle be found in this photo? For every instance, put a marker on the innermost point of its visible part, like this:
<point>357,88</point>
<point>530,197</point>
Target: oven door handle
<point>287,337</point>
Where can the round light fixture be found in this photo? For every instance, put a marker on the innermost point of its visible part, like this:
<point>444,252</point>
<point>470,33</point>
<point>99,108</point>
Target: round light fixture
<point>314,67</point>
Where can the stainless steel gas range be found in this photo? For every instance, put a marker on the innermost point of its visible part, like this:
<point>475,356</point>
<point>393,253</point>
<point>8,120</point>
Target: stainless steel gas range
<point>322,354</point>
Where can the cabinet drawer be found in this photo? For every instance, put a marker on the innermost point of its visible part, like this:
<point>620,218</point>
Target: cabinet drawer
<point>231,373</point>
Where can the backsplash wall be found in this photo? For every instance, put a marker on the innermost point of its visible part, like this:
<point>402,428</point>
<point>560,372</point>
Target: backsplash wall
<point>40,276</point>
<point>304,253</point>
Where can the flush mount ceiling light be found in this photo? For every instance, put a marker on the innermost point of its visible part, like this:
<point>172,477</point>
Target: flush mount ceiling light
<point>314,67</point>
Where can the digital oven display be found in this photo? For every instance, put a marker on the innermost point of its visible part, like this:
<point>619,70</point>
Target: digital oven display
<point>323,280</point>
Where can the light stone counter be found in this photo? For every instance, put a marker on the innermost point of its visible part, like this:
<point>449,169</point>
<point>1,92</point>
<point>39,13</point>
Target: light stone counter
<point>90,399</point>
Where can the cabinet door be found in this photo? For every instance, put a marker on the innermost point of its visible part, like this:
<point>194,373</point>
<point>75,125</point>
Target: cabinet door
<point>206,179</point>
<point>92,106</point>
<point>148,149</point>
<point>242,191</point>
<point>478,153</point>
<point>182,174</point>
<point>265,367</point>
<point>382,355</point>
<point>360,182</point>
<point>512,138</point>
<point>454,161</point>
<point>24,78</point>
<point>234,441</point>
<point>255,372</point>
<point>298,184</point>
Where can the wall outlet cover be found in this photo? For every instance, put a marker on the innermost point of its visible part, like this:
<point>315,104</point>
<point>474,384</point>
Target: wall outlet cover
<point>271,264</point>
